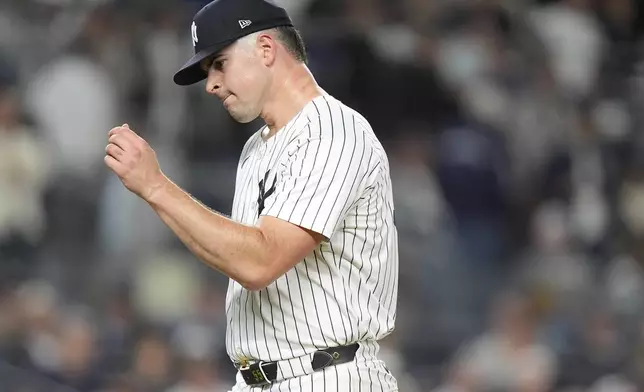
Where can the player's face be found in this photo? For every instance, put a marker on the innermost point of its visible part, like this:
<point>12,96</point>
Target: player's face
<point>239,79</point>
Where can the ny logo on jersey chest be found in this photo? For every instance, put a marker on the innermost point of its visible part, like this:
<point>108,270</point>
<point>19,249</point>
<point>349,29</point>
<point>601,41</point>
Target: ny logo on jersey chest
<point>264,193</point>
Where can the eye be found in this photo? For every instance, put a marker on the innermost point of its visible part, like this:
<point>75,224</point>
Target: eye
<point>218,65</point>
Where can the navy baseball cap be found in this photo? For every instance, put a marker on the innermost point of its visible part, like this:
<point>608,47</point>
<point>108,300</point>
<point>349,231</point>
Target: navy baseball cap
<point>221,23</point>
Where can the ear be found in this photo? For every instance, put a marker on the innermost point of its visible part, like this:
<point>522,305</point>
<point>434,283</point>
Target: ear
<point>267,47</point>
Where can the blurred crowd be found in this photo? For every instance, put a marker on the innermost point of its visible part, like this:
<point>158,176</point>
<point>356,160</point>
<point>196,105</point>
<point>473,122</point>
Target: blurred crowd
<point>513,130</point>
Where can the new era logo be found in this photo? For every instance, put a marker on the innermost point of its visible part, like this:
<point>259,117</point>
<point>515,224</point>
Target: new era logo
<point>244,23</point>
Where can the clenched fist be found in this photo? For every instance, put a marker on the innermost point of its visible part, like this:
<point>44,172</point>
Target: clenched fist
<point>133,160</point>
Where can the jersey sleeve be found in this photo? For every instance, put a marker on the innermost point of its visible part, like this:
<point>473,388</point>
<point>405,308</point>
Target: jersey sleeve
<point>323,174</point>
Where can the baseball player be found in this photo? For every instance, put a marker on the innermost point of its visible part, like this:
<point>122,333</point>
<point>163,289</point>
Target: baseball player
<point>311,246</point>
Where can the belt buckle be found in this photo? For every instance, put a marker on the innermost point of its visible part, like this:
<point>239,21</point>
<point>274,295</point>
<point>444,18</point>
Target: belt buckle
<point>256,374</point>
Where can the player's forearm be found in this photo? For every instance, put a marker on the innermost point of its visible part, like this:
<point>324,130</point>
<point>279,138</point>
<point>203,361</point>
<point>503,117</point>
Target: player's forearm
<point>238,251</point>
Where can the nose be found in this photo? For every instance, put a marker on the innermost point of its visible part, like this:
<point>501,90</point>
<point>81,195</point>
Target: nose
<point>213,82</point>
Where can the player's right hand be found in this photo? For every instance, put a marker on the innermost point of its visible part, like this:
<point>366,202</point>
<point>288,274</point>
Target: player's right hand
<point>132,159</point>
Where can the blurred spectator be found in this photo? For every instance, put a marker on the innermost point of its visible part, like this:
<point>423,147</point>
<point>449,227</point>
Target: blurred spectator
<point>152,365</point>
<point>165,283</point>
<point>600,352</point>
<point>636,366</point>
<point>74,101</point>
<point>23,176</point>
<point>508,357</point>
<point>120,384</point>
<point>119,327</point>
<point>557,273</point>
<point>198,376</point>
<point>165,49</point>
<point>77,355</point>
<point>199,336</point>
<point>553,263</point>
<point>39,304</point>
<point>631,202</point>
<point>619,19</point>
<point>624,283</point>
<point>467,51</point>
<point>472,170</point>
<point>540,125</point>
<point>161,108</point>
<point>297,9</point>
<point>398,366</point>
<point>614,384</point>
<point>575,44</point>
<point>420,206</point>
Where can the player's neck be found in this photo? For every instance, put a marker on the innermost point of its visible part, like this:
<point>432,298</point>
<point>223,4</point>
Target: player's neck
<point>295,89</point>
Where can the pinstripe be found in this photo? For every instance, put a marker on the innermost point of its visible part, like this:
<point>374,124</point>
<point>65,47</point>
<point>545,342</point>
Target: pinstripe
<point>364,176</point>
<point>229,312</point>
<point>297,329</point>
<point>337,377</point>
<point>268,350</point>
<point>255,320</point>
<point>353,337</point>
<point>344,286</point>
<point>308,324</point>
<point>279,300</point>
<point>317,151</point>
<point>394,277</point>
<point>323,379</point>
<point>378,257</point>
<point>388,265</point>
<point>247,313</point>
<point>286,140</point>
<point>370,381</point>
<point>300,172</point>
<point>315,303</point>
<point>327,160</point>
<point>337,302</point>
<point>279,352</point>
<point>355,182</point>
<point>362,264</point>
<point>344,139</point>
<point>326,300</point>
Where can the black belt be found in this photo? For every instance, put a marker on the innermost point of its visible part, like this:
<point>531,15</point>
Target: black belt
<point>264,373</point>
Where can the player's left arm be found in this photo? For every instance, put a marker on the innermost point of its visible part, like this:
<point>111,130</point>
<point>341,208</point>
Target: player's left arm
<point>253,256</point>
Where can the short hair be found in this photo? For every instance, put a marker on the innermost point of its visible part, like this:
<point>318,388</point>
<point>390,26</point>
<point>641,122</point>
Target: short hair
<point>292,41</point>
<point>288,36</point>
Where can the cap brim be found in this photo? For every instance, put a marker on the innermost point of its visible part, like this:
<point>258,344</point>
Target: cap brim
<point>191,71</point>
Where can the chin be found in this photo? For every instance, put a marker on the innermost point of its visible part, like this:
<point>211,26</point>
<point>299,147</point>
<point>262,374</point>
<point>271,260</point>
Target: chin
<point>243,118</point>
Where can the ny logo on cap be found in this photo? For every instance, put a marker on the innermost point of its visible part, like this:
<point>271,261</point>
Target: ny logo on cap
<point>193,31</point>
<point>244,23</point>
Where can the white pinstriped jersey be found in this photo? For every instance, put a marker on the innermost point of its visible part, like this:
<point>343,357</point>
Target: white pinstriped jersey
<point>325,171</point>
